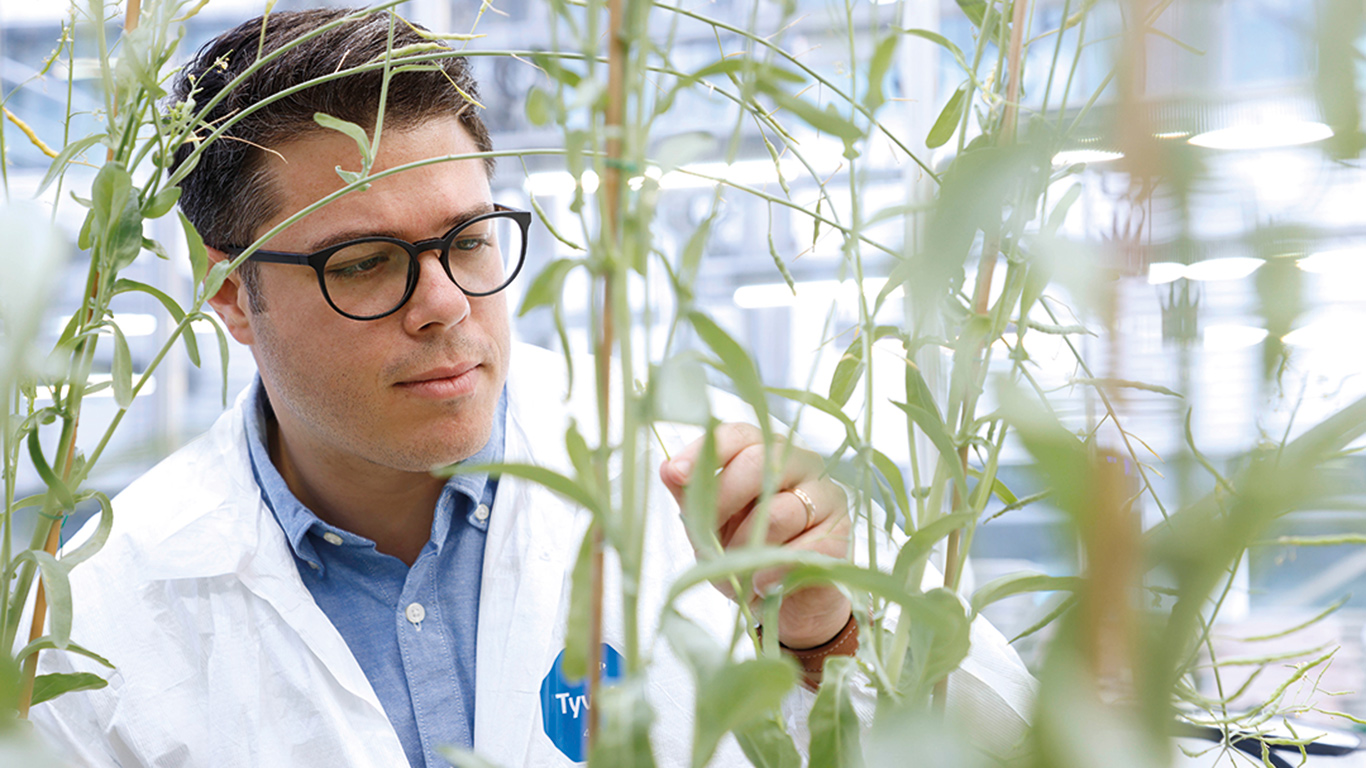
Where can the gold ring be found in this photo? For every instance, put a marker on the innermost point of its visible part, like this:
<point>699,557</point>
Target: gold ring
<point>807,503</point>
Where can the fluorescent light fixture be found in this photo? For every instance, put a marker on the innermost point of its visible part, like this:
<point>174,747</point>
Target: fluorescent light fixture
<point>1090,156</point>
<point>749,173</point>
<point>1229,337</point>
<point>1236,268</point>
<point>1163,272</point>
<point>773,295</point>
<point>99,378</point>
<point>131,323</point>
<point>1171,135</point>
<point>1347,264</point>
<point>555,183</point>
<point>1272,135</point>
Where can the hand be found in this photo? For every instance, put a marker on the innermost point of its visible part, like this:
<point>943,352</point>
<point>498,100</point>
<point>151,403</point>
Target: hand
<point>812,615</point>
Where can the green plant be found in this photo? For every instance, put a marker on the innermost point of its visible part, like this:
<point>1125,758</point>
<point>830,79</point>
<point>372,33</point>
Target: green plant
<point>998,191</point>
<point>610,85</point>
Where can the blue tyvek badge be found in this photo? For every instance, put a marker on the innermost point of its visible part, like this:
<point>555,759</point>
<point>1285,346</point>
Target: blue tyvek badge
<point>564,705</point>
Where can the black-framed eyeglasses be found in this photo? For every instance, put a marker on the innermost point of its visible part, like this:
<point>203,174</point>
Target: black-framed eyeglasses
<point>373,277</point>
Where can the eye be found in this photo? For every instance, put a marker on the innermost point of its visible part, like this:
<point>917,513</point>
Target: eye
<point>363,261</point>
<point>469,242</point>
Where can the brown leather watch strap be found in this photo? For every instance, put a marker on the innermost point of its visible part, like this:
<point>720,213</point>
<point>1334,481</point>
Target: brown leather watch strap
<point>812,660</point>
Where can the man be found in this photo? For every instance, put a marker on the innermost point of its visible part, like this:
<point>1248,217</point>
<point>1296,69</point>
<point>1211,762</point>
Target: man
<point>296,588</point>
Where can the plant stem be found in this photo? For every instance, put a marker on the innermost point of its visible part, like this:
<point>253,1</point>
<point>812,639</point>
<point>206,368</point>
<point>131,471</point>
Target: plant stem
<point>980,304</point>
<point>611,190</point>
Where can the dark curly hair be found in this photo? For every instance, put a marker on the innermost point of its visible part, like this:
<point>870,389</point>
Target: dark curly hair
<point>229,194</point>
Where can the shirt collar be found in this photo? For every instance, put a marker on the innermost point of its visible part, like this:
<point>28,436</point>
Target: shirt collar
<point>297,521</point>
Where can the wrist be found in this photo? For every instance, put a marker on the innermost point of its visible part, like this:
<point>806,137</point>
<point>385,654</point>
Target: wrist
<point>812,660</point>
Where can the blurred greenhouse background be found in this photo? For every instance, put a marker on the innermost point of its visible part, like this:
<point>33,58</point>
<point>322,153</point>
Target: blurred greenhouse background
<point>1266,217</point>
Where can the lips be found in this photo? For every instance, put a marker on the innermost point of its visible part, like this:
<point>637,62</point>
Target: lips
<point>444,382</point>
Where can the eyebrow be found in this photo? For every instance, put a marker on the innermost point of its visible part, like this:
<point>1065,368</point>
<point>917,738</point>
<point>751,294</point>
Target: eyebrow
<point>451,222</point>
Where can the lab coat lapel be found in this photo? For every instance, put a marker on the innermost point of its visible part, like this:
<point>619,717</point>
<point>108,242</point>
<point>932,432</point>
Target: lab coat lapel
<point>238,535</point>
<point>533,537</point>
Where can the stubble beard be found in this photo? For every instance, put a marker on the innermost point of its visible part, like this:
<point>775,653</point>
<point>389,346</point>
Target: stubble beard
<point>333,412</point>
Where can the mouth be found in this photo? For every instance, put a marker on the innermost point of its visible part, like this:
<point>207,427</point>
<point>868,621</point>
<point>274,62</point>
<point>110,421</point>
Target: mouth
<point>444,382</point>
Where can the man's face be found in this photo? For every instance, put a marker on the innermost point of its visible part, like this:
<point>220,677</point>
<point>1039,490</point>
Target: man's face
<point>410,391</point>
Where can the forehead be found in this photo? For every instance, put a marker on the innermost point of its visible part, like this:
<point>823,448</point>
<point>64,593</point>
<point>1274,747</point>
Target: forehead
<point>410,203</point>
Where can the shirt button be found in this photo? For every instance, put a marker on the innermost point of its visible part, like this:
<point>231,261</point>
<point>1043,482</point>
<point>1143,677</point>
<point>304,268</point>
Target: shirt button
<point>313,565</point>
<point>415,613</point>
<point>482,513</point>
<point>332,538</point>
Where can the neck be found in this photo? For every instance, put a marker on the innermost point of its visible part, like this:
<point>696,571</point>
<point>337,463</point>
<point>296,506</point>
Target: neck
<point>390,507</point>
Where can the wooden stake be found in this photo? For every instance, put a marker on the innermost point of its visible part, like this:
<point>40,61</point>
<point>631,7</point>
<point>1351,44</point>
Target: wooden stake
<point>982,298</point>
<point>611,190</point>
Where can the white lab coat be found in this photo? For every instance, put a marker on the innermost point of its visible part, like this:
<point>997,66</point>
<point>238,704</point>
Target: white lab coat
<point>224,659</point>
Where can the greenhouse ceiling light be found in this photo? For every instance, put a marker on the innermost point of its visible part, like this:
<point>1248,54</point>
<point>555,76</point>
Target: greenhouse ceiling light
<point>131,323</point>
<point>1225,337</point>
<point>775,295</point>
<point>1347,264</point>
<point>1073,156</point>
<point>1285,133</point>
<point>1235,268</point>
<point>1163,272</point>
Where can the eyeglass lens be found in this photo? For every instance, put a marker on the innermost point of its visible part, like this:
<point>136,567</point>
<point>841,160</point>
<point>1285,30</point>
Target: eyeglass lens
<point>370,277</point>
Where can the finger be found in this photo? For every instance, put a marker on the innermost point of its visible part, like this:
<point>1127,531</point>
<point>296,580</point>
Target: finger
<point>731,438</point>
<point>742,479</point>
<point>829,537</point>
<point>788,514</point>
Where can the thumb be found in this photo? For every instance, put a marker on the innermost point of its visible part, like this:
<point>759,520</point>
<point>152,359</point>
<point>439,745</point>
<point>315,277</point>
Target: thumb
<point>675,474</point>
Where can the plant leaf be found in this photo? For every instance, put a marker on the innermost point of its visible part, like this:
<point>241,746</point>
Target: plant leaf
<point>766,743</point>
<point>848,372</point>
<point>940,632</point>
<point>735,697</point>
<point>538,106</point>
<point>942,41</point>
<point>162,204</point>
<point>947,123</point>
<point>548,285</point>
<point>64,157</point>
<point>199,257</point>
<point>48,687</point>
<point>122,370</point>
<point>735,362</point>
<point>822,404</point>
<point>54,483</point>
<point>923,539</point>
<point>349,128</point>
<point>833,722</point>
<point>575,662</point>
<point>57,588</point>
<point>892,474</point>
<point>1020,583</point>
<point>547,477</point>
<point>624,727</point>
<point>97,539</point>
<point>877,71</point>
<point>938,434</point>
<point>45,643</point>
<point>699,500</point>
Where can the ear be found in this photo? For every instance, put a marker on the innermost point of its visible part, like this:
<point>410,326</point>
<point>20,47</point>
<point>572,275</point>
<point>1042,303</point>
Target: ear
<point>231,303</point>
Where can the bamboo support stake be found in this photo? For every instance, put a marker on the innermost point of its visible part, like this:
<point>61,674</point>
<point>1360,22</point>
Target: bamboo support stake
<point>982,297</point>
<point>611,190</point>
<point>54,531</point>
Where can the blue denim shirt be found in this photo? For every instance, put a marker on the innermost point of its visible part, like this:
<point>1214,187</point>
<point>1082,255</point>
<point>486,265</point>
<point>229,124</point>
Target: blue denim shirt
<point>412,630</point>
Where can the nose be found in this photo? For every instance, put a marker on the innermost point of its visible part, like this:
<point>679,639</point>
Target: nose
<point>436,302</point>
